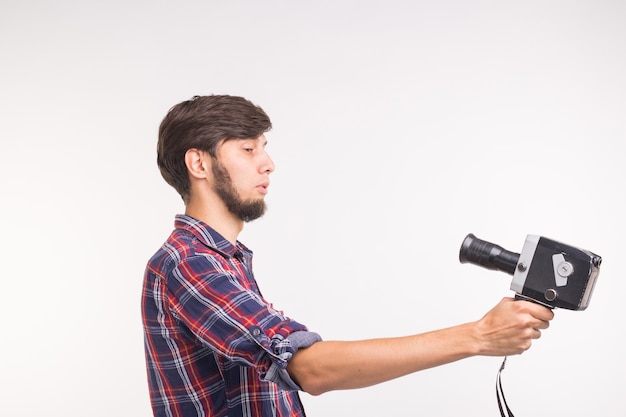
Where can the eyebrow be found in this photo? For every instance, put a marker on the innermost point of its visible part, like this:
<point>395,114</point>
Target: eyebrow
<point>264,143</point>
<point>257,139</point>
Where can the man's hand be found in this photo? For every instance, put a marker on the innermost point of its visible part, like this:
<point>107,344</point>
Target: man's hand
<point>510,327</point>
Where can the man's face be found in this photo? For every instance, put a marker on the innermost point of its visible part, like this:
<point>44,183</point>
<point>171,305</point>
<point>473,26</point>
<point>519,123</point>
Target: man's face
<point>241,176</point>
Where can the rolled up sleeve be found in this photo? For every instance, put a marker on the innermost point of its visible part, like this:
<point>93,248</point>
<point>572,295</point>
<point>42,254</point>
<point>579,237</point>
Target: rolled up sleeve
<point>277,372</point>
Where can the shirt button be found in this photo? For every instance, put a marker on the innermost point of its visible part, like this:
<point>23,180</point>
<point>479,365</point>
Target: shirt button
<point>256,332</point>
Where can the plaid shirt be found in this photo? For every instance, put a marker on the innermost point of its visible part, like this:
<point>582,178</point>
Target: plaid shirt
<point>214,346</point>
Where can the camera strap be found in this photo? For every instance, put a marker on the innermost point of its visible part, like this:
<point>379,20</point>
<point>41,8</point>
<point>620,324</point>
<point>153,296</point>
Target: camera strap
<point>505,411</point>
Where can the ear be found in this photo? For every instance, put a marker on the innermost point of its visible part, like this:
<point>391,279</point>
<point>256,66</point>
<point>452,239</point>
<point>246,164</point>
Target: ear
<point>197,163</point>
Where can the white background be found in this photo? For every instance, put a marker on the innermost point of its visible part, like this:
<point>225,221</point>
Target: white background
<point>399,127</point>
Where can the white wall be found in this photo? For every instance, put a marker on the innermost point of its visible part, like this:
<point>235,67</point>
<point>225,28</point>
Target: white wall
<point>399,127</point>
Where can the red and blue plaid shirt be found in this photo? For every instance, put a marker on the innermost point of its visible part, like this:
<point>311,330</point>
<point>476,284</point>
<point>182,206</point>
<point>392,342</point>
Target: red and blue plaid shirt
<point>214,346</point>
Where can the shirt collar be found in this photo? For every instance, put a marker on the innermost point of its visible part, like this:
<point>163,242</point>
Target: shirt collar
<point>208,236</point>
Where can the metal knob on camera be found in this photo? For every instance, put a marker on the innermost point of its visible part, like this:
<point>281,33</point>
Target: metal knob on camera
<point>551,294</point>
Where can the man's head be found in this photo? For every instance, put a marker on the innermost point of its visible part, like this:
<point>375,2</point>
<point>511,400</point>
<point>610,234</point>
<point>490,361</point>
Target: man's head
<point>203,123</point>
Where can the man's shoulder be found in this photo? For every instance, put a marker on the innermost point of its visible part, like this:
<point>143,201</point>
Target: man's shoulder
<point>180,246</point>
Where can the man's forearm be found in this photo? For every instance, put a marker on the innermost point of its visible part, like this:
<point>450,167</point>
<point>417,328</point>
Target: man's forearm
<point>335,365</point>
<point>506,329</point>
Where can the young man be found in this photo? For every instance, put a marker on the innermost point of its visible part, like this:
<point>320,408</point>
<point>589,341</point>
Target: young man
<point>214,346</point>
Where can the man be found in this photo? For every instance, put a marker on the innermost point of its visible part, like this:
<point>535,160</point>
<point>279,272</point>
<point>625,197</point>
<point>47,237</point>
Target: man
<point>214,345</point>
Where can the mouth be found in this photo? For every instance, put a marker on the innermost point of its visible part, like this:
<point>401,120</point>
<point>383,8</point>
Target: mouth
<point>263,188</point>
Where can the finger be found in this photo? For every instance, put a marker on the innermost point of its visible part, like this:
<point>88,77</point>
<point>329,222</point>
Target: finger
<point>543,313</point>
<point>542,324</point>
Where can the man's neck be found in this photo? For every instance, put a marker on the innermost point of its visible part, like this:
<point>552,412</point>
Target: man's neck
<point>218,217</point>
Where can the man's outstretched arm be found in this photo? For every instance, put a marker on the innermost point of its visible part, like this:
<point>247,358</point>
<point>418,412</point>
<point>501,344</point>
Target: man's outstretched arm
<point>507,329</point>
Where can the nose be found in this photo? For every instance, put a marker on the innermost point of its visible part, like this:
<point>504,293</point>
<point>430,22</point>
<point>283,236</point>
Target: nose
<point>267,164</point>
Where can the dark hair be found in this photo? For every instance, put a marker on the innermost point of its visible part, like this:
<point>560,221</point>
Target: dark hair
<point>202,123</point>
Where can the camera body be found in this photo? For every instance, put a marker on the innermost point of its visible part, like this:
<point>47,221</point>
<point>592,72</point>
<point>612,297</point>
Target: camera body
<point>547,272</point>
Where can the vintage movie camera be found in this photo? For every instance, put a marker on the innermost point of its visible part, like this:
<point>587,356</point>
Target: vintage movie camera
<point>546,271</point>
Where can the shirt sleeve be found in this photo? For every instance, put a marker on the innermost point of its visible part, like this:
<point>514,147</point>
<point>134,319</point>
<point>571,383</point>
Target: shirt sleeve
<point>222,311</point>
<point>277,373</point>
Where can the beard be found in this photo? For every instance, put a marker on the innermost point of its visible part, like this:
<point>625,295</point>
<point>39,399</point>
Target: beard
<point>245,210</point>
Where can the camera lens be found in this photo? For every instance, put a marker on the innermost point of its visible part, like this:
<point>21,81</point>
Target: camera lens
<point>488,255</point>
